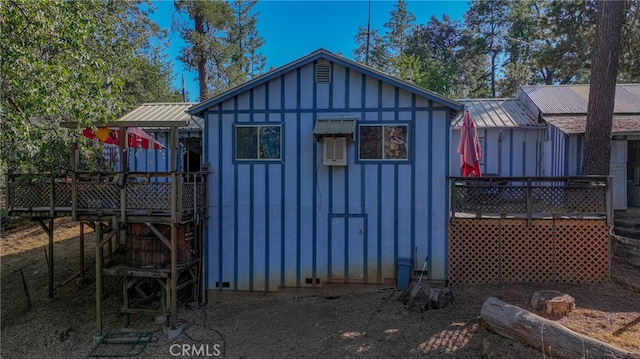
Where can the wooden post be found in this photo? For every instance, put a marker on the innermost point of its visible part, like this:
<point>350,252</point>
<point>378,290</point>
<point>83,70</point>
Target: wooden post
<point>81,242</point>
<point>124,168</point>
<point>98,229</point>
<point>49,230</point>
<point>452,196</point>
<point>609,201</point>
<point>125,299</point>
<point>173,141</point>
<point>50,233</point>
<point>52,197</point>
<point>529,201</point>
<point>174,276</point>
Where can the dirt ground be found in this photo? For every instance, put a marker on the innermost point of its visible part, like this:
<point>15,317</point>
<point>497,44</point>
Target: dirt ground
<point>332,323</point>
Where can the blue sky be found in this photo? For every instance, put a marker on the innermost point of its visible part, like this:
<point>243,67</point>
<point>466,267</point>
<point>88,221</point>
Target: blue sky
<point>292,29</point>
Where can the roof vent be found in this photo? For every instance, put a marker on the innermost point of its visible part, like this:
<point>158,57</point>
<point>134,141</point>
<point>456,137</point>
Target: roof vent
<point>323,72</point>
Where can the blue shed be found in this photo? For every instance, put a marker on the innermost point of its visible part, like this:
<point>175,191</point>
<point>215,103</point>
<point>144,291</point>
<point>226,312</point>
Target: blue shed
<point>324,171</point>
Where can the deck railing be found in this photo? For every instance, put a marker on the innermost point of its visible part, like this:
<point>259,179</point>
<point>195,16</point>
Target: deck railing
<point>531,196</point>
<point>181,196</point>
<point>38,192</point>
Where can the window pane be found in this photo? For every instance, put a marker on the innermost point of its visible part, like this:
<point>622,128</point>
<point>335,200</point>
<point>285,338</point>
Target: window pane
<point>395,142</point>
<point>246,143</point>
<point>270,142</point>
<point>370,142</point>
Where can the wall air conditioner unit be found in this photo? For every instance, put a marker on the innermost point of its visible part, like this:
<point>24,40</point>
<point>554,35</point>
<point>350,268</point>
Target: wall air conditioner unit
<point>335,151</point>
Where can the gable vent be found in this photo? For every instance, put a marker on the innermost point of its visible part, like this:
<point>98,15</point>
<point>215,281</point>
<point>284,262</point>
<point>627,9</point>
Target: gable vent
<point>323,72</point>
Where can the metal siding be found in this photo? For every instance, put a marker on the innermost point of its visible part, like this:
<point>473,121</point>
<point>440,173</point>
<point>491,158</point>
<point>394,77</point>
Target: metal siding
<point>273,206</point>
<point>306,82</point>
<point>438,196</point>
<point>243,230</point>
<point>355,90</point>
<point>275,96</point>
<point>371,91</point>
<point>388,95</point>
<point>389,244</point>
<point>339,86</point>
<point>260,225</point>
<point>403,220</point>
<point>322,96</point>
<point>422,148</point>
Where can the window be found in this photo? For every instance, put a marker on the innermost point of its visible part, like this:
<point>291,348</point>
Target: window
<point>383,142</point>
<point>258,142</point>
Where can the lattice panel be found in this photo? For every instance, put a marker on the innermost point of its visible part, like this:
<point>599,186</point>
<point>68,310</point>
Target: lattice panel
<point>473,251</point>
<point>149,196</point>
<point>589,199</point>
<point>547,199</point>
<point>201,194</point>
<point>63,194</point>
<point>29,195</point>
<point>527,251</point>
<point>510,250</point>
<point>188,200</point>
<point>582,249</point>
<point>98,195</point>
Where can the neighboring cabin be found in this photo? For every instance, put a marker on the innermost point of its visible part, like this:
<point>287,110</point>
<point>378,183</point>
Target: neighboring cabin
<point>510,137</point>
<point>564,110</point>
<point>324,170</point>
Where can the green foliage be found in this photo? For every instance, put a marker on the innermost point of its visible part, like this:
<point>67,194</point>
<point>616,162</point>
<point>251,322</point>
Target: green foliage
<point>70,61</point>
<point>222,42</point>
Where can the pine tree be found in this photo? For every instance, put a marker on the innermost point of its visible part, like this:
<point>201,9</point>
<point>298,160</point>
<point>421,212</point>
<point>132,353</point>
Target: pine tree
<point>246,60</point>
<point>206,34</point>
<point>399,26</point>
<point>602,89</point>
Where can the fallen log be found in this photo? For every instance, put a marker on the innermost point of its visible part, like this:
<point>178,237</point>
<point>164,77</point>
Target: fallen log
<point>545,335</point>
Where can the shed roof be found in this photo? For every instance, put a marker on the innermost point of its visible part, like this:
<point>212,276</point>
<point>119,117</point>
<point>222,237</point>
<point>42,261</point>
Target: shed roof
<point>199,109</point>
<point>151,115</point>
<point>497,113</point>
<point>574,99</point>
<point>622,124</point>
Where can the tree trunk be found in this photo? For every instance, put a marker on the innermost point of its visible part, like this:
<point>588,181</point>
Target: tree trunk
<point>602,89</point>
<point>550,337</point>
<point>201,58</point>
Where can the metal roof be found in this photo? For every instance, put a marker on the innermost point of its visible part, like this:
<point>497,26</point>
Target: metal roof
<point>152,115</point>
<point>497,113</point>
<point>622,124</point>
<point>574,99</point>
<point>199,109</point>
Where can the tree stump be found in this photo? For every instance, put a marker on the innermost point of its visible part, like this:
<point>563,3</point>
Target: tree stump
<point>552,303</point>
<point>421,297</point>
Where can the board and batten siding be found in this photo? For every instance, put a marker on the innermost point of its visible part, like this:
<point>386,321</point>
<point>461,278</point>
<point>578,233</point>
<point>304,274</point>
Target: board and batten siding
<point>505,151</point>
<point>297,222</point>
<point>562,153</point>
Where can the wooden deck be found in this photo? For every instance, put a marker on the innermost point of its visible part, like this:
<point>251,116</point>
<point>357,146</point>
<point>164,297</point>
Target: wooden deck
<point>154,197</point>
